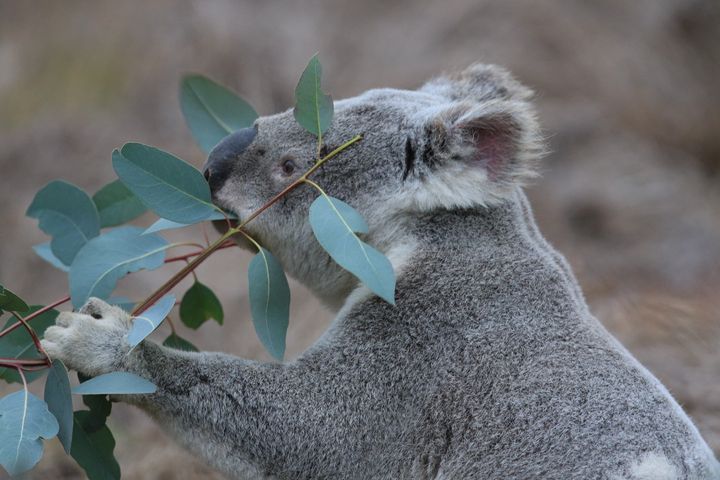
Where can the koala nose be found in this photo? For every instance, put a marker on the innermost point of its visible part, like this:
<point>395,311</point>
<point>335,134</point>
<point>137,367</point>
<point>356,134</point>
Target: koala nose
<point>221,159</point>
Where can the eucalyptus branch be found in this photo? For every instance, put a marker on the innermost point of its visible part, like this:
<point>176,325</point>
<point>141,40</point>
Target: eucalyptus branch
<point>202,256</point>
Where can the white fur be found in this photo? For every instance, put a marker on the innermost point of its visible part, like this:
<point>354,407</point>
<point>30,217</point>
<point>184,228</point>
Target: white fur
<point>654,466</point>
<point>651,466</point>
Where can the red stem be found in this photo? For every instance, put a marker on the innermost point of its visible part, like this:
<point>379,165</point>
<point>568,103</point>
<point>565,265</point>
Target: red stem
<point>35,314</point>
<point>59,302</point>
<point>35,339</point>
<point>23,364</point>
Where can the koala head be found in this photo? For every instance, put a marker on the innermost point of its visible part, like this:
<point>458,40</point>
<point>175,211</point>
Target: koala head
<point>465,140</point>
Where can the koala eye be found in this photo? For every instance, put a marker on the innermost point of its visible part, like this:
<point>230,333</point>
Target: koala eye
<point>288,166</point>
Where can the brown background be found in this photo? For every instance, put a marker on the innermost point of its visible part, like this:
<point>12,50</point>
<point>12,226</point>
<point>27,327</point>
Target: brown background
<point>627,93</point>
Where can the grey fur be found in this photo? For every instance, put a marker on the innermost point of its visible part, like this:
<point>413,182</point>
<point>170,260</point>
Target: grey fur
<point>489,367</point>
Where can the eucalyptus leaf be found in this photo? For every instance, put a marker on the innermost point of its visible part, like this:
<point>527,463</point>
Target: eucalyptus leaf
<point>150,319</point>
<point>92,448</point>
<point>212,111</point>
<point>68,215</point>
<point>59,401</point>
<point>45,252</point>
<point>164,224</point>
<point>313,109</point>
<point>11,302</point>
<point>24,421</point>
<point>116,204</point>
<point>179,343</point>
<point>107,258</point>
<point>200,304</point>
<point>18,344</point>
<point>269,301</point>
<point>99,405</point>
<point>115,383</point>
<point>168,186</point>
<point>335,223</point>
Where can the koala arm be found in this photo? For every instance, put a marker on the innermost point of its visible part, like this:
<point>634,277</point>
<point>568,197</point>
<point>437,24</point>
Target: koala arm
<point>233,412</point>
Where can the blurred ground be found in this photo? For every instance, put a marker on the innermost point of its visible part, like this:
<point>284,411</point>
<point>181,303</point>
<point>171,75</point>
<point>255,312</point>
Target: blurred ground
<point>626,93</point>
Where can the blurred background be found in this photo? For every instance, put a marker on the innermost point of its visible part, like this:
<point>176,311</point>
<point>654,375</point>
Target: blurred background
<point>627,95</point>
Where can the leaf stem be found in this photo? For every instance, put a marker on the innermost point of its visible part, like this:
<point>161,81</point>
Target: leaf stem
<point>24,380</point>
<point>252,240</point>
<point>318,187</point>
<point>171,324</point>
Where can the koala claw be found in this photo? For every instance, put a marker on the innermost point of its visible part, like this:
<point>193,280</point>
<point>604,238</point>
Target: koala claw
<point>91,341</point>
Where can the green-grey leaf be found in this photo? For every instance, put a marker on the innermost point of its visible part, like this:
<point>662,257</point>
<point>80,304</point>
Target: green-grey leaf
<point>59,401</point>
<point>43,251</point>
<point>168,186</point>
<point>313,109</point>
<point>116,204</point>
<point>24,422</point>
<point>269,301</point>
<point>164,224</point>
<point>99,405</point>
<point>179,343</point>
<point>200,304</point>
<point>115,383</point>
<point>107,258</point>
<point>19,345</point>
<point>68,215</point>
<point>150,319</point>
<point>92,447</point>
<point>212,111</point>
<point>11,302</point>
<point>334,223</point>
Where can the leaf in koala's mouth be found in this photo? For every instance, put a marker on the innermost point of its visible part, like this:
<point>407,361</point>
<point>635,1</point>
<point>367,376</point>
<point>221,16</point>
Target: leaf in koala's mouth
<point>167,185</point>
<point>215,218</point>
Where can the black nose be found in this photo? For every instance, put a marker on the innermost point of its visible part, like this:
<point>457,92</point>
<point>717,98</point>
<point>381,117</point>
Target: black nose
<point>225,154</point>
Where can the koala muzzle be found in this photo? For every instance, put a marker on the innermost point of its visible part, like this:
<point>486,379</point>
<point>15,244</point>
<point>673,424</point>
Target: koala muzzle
<point>222,158</point>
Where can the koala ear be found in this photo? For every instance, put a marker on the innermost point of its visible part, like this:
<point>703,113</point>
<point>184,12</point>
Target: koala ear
<point>471,154</point>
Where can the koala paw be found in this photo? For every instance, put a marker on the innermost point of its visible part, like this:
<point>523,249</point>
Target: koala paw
<point>92,341</point>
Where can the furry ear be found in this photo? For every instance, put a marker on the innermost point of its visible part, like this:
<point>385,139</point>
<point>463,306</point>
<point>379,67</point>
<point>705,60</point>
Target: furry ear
<point>479,82</point>
<point>473,154</point>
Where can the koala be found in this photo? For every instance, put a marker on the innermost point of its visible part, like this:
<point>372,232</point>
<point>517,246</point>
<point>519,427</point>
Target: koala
<point>489,365</point>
